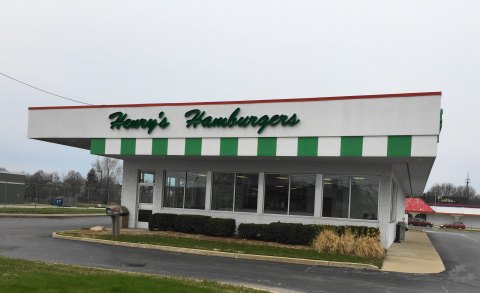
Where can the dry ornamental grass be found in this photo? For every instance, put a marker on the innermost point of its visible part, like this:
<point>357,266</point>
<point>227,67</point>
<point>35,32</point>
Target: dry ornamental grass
<point>364,246</point>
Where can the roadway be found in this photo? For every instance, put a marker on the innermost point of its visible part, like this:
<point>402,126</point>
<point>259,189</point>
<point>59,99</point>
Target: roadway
<point>29,238</point>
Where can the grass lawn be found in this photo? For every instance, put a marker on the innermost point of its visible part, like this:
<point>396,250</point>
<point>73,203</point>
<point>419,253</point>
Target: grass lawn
<point>50,211</point>
<point>31,276</point>
<point>234,246</point>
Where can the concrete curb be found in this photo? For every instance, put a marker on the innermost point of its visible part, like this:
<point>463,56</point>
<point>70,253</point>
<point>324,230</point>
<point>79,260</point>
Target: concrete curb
<point>48,215</point>
<point>301,261</point>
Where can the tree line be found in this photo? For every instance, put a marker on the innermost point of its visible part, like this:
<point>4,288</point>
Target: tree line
<point>450,193</point>
<point>104,173</point>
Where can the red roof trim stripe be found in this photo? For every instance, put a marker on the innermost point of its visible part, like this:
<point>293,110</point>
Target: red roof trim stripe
<point>383,96</point>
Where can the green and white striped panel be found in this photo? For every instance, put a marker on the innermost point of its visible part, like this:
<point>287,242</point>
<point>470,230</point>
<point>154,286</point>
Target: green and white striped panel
<point>345,146</point>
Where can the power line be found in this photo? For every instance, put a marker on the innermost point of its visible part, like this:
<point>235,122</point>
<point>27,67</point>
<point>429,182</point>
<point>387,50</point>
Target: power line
<point>39,89</point>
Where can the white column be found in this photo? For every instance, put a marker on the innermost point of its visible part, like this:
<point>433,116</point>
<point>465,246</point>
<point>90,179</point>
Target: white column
<point>158,191</point>
<point>208,191</point>
<point>317,212</point>
<point>261,192</point>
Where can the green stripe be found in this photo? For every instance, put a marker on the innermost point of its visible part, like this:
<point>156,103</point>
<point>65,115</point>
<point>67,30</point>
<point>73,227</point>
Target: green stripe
<point>127,146</point>
<point>228,146</point>
<point>399,146</point>
<point>159,146</point>
<point>307,146</point>
<point>351,146</point>
<point>267,146</point>
<point>97,146</point>
<point>193,146</point>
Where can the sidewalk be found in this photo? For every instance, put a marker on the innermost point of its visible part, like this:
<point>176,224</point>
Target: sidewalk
<point>416,254</point>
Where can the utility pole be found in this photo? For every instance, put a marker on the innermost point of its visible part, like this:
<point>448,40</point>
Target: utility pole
<point>467,182</point>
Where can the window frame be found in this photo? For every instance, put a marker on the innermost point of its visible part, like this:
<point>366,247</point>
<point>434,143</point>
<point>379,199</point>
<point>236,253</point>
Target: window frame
<point>184,189</point>
<point>350,195</point>
<point>234,190</point>
<point>288,197</point>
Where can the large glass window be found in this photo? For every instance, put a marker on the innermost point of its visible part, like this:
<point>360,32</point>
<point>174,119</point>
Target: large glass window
<point>246,192</point>
<point>195,190</point>
<point>364,198</point>
<point>222,191</point>
<point>354,197</point>
<point>302,194</point>
<point>290,194</point>
<point>235,191</point>
<point>185,190</point>
<point>336,192</point>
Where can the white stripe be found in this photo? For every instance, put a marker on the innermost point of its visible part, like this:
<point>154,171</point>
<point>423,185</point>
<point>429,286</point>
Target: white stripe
<point>210,146</point>
<point>112,146</point>
<point>424,146</point>
<point>143,146</point>
<point>375,146</point>
<point>176,147</point>
<point>247,146</point>
<point>287,146</point>
<point>329,146</point>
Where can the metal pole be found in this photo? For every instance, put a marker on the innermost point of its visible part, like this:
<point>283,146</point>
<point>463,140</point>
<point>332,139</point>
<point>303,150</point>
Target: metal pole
<point>36,196</point>
<point>5,199</point>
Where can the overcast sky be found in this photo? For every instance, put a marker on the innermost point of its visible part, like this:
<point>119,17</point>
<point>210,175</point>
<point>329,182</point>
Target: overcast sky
<point>108,52</point>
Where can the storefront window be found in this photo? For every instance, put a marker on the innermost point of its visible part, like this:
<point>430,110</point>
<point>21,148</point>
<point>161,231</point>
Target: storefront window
<point>236,192</point>
<point>276,193</point>
<point>222,191</point>
<point>246,192</point>
<point>195,190</point>
<point>302,195</point>
<point>290,194</point>
<point>336,192</point>
<point>364,198</point>
<point>174,189</point>
<point>354,197</point>
<point>185,190</point>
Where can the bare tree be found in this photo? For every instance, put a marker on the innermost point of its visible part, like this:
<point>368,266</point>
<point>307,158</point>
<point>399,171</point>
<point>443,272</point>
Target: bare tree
<point>3,169</point>
<point>462,191</point>
<point>73,179</point>
<point>110,171</point>
<point>443,190</point>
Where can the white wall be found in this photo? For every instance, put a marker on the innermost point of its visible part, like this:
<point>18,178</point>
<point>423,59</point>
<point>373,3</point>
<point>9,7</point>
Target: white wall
<point>469,221</point>
<point>350,117</point>
<point>159,165</point>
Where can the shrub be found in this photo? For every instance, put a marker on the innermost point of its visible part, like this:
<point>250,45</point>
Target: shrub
<point>162,222</point>
<point>347,243</point>
<point>192,224</point>
<point>286,233</point>
<point>220,227</point>
<point>252,231</point>
<point>327,241</point>
<point>369,247</point>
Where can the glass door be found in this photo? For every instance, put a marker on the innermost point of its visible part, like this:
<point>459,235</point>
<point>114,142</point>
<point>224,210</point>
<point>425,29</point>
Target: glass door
<point>146,183</point>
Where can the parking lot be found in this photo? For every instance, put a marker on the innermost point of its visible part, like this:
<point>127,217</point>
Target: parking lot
<point>31,239</point>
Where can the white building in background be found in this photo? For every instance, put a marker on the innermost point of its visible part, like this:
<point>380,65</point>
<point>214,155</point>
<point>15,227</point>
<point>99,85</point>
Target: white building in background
<point>450,213</point>
<point>337,160</point>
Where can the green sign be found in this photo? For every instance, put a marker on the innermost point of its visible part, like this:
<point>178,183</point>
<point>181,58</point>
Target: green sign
<point>197,118</point>
<point>120,120</point>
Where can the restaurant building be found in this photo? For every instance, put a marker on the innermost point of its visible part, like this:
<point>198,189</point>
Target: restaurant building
<point>346,160</point>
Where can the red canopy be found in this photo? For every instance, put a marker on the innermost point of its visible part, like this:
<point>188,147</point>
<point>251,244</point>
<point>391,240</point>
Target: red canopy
<point>417,205</point>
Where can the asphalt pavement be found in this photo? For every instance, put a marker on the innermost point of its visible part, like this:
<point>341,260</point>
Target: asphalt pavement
<point>29,238</point>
